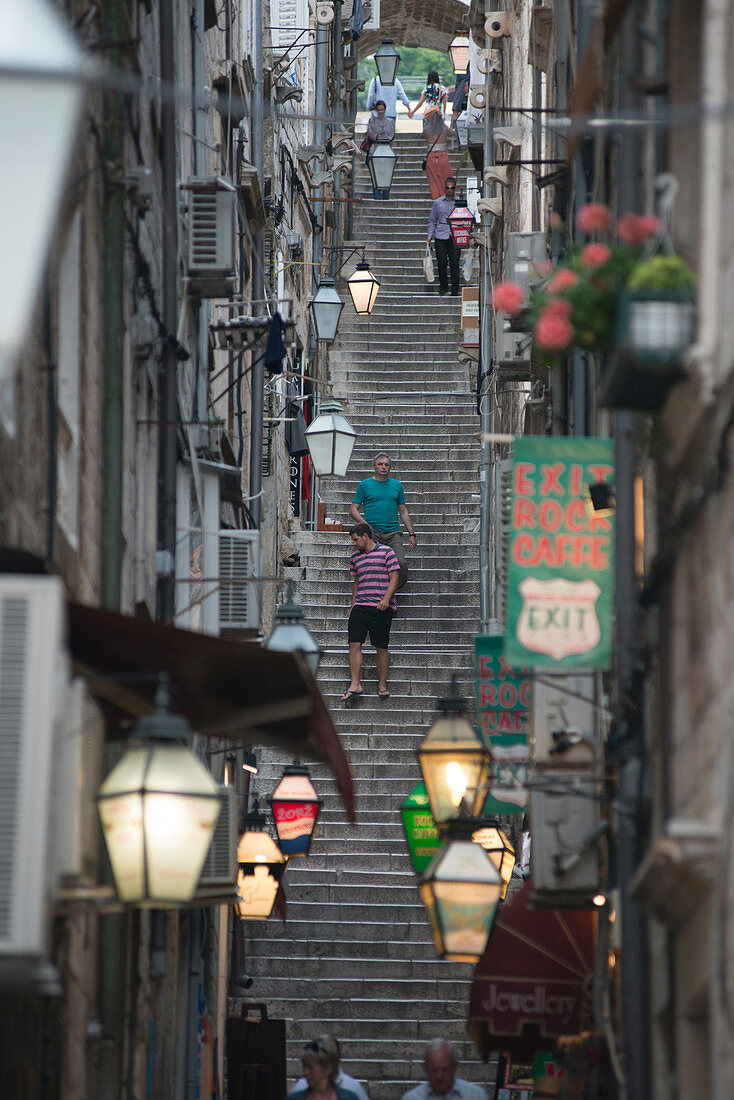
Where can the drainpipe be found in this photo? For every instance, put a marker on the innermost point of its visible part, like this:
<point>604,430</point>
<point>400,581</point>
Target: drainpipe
<point>257,115</point>
<point>167,389</point>
<point>319,131</point>
<point>488,613</point>
<point>630,742</point>
<point>338,50</point>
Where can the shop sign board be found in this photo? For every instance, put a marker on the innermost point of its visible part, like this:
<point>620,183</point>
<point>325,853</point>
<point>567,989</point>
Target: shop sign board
<point>504,699</point>
<point>560,569</point>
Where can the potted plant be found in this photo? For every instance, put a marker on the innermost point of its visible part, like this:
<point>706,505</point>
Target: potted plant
<point>612,298</point>
<point>655,323</point>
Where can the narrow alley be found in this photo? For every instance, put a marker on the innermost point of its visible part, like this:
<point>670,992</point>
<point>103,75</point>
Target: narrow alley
<point>357,957</point>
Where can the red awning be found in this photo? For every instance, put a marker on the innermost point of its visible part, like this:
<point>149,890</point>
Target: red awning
<point>533,982</point>
<point>228,689</point>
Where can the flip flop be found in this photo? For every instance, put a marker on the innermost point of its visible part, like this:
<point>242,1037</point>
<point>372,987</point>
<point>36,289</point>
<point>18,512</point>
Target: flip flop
<point>349,696</point>
<point>383,694</point>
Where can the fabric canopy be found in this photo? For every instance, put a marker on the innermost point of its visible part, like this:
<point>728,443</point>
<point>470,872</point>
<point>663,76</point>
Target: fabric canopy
<point>533,982</point>
<point>228,689</point>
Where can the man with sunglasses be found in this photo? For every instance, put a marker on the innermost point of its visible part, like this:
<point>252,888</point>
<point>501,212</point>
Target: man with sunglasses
<point>447,254</point>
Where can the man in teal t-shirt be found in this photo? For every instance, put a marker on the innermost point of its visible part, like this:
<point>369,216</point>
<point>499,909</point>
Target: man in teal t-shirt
<point>382,499</point>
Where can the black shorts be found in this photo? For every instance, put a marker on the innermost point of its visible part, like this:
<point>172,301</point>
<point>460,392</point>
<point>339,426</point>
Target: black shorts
<point>364,620</point>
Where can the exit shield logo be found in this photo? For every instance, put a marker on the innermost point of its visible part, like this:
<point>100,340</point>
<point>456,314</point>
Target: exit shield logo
<point>558,617</point>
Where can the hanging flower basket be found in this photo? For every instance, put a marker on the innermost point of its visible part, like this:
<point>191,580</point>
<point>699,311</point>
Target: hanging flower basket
<point>653,330</point>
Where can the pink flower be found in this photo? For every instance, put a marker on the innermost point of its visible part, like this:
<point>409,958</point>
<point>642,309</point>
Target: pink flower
<point>634,229</point>
<point>595,255</point>
<point>543,267</point>
<point>553,332</point>
<point>594,217</point>
<point>508,297</point>
<point>562,280</point>
<point>558,307</point>
<point>555,219</point>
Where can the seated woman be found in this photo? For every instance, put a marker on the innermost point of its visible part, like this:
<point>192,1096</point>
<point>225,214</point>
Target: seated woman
<point>380,129</point>
<point>320,1068</point>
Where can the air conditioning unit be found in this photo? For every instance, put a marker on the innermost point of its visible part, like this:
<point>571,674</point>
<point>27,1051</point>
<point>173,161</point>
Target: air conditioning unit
<point>211,237</point>
<point>220,865</point>
<point>239,579</point>
<point>512,350</point>
<point>565,859</point>
<point>33,679</point>
<point>525,251</point>
<point>372,17</point>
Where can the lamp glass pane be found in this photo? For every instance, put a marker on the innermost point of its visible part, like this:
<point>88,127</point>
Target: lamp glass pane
<point>256,891</point>
<point>381,165</point>
<point>454,763</point>
<point>295,637</point>
<point>330,442</point>
<point>363,287</point>
<point>296,809</point>
<point>461,889</point>
<point>158,808</point>
<point>459,54</point>
<point>326,307</point>
<point>387,60</point>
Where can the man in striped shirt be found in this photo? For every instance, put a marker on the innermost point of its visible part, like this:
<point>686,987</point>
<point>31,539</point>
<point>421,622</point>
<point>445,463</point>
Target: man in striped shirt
<point>375,570</point>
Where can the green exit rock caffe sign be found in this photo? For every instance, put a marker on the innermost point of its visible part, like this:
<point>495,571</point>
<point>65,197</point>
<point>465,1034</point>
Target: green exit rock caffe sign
<point>560,567</point>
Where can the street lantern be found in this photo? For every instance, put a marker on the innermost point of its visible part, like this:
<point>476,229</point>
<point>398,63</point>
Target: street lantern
<point>459,54</point>
<point>325,308</point>
<point>363,287</point>
<point>158,808</point>
<point>461,223</point>
<point>460,890</point>
<point>261,866</point>
<point>387,60</point>
<point>499,850</point>
<point>290,633</point>
<point>381,164</point>
<point>330,439</point>
<point>296,808</point>
<point>420,828</point>
<point>41,89</point>
<point>454,762</point>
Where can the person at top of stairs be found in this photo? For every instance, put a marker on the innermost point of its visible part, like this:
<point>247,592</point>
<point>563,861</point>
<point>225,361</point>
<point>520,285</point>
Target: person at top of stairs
<point>383,502</point>
<point>374,571</point>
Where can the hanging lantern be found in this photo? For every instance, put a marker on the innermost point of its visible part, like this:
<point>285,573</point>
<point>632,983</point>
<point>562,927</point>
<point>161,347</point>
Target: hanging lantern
<point>41,92</point>
<point>459,54</point>
<point>460,890</point>
<point>363,287</point>
<point>158,808</point>
<point>381,164</point>
<point>454,762</point>
<point>420,828</point>
<point>330,439</point>
<point>499,850</point>
<point>325,308</point>
<point>290,633</point>
<point>296,808</point>
<point>387,60</point>
<point>261,866</point>
<point>461,223</point>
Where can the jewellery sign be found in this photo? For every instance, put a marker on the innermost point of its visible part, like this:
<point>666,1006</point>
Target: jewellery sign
<point>504,697</point>
<point>560,569</point>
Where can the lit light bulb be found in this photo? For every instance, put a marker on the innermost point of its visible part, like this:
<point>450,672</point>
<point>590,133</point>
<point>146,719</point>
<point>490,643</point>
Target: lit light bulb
<point>457,781</point>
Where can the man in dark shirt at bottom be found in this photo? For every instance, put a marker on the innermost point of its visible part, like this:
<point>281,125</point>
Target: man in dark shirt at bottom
<point>375,571</point>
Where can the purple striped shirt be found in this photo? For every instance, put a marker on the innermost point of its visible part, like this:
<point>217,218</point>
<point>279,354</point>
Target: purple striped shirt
<point>373,569</point>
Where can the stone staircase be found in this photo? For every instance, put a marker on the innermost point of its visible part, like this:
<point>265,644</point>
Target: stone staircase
<point>356,957</point>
